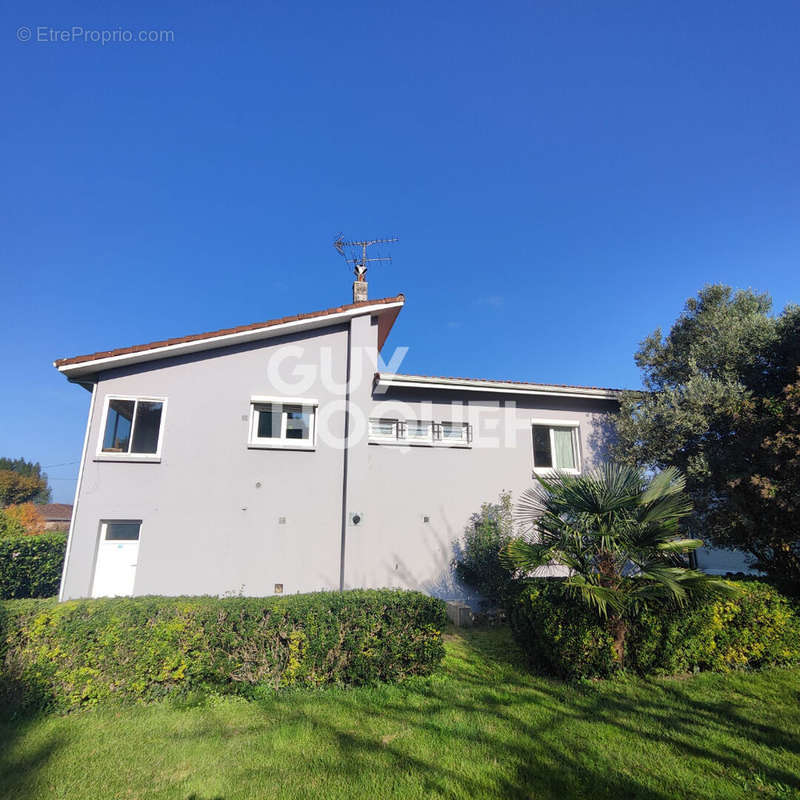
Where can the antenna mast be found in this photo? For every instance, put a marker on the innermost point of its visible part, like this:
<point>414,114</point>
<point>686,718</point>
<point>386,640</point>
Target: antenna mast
<point>360,261</point>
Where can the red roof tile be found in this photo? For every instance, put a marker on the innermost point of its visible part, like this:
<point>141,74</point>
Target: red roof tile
<point>61,362</point>
<point>52,512</point>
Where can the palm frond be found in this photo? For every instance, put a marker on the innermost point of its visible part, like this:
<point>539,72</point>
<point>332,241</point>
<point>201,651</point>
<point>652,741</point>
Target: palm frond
<point>600,598</point>
<point>524,555</point>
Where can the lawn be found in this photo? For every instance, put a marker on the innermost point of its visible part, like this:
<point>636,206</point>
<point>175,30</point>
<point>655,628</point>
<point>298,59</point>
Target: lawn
<point>480,727</point>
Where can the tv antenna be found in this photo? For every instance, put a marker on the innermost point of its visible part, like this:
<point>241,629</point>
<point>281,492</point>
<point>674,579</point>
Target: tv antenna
<point>360,261</point>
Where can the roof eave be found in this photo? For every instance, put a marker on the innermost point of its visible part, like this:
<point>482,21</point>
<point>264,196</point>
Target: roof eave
<point>91,366</point>
<point>390,380</point>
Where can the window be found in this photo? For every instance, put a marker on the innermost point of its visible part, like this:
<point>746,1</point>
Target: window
<point>133,427</point>
<point>122,531</point>
<point>282,423</point>
<point>420,432</point>
<point>453,432</point>
<point>555,446</point>
<point>383,429</point>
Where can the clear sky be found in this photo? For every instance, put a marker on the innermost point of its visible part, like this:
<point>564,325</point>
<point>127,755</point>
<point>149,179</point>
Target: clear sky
<point>562,177</point>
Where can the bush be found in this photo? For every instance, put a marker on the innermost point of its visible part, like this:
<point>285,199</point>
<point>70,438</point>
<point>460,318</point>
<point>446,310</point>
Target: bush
<point>477,563</point>
<point>81,652</point>
<point>9,525</point>
<point>24,518</point>
<point>561,636</point>
<point>756,629</point>
<point>30,566</point>
<point>558,634</point>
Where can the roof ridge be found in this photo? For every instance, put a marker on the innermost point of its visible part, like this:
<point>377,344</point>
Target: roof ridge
<point>226,331</point>
<point>498,380</point>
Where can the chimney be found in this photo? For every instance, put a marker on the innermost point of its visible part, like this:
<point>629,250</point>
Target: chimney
<point>359,290</point>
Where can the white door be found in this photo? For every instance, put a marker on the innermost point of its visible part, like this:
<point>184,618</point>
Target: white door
<point>117,555</point>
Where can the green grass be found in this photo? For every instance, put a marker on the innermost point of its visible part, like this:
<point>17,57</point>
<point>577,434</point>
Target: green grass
<point>480,727</point>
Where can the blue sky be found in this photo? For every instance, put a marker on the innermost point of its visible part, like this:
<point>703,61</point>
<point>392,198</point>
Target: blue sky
<point>562,177</point>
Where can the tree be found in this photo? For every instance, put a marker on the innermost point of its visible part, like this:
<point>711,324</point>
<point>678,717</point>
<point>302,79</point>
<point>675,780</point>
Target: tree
<point>763,511</point>
<point>10,526</point>
<point>24,516</point>
<point>478,562</point>
<point>617,531</point>
<point>26,483</point>
<point>713,403</point>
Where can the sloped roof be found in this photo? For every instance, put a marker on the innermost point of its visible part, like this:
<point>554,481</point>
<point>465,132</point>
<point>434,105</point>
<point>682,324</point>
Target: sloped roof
<point>386,309</point>
<point>55,512</point>
<point>492,385</point>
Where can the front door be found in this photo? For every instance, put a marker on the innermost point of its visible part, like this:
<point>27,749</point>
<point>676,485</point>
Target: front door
<point>117,556</point>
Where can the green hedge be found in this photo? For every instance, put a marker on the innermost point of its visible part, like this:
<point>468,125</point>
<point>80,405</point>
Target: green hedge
<point>30,566</point>
<point>82,652</point>
<point>757,629</point>
<point>561,636</point>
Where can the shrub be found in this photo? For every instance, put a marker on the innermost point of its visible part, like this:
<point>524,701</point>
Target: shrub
<point>82,652</point>
<point>757,629</point>
<point>30,566</point>
<point>560,636</point>
<point>9,526</point>
<point>478,564</point>
<point>27,517</point>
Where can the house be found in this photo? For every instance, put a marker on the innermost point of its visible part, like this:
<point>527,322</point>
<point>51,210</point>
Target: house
<point>284,457</point>
<point>57,516</point>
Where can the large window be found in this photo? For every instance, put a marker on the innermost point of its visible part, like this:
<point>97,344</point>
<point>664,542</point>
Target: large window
<point>282,423</point>
<point>133,427</point>
<point>555,446</point>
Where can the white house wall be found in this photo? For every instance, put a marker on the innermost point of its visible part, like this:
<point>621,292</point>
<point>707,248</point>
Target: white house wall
<point>206,526</point>
<point>395,545</point>
<point>209,528</point>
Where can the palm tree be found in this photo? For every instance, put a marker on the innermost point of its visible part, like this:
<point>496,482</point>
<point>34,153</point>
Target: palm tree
<point>617,531</point>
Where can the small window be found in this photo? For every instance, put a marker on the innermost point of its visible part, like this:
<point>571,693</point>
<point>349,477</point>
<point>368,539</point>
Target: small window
<point>555,447</point>
<point>454,432</point>
<point>277,424</point>
<point>122,531</point>
<point>383,429</point>
<point>132,427</point>
<point>419,431</point>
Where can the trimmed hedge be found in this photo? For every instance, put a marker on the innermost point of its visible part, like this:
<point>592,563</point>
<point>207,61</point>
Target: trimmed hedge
<point>561,636</point>
<point>757,629</point>
<point>558,634</point>
<point>30,566</point>
<point>79,653</point>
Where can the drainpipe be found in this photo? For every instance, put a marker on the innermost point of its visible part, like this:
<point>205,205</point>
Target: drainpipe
<point>77,492</point>
<point>345,450</point>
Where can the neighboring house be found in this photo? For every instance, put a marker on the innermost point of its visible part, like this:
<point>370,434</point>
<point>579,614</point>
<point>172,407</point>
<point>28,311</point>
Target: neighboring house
<point>281,457</point>
<point>57,516</point>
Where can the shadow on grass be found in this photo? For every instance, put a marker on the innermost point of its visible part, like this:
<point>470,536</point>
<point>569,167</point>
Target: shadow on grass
<point>483,727</point>
<point>549,759</point>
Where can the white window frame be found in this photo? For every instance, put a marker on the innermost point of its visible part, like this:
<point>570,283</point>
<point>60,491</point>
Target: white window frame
<point>432,439</point>
<point>137,398</point>
<point>464,441</point>
<point>392,438</point>
<point>282,443</point>
<point>576,445</point>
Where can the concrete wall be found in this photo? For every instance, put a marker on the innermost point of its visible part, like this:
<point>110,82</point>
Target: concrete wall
<point>394,545</point>
<point>206,527</point>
